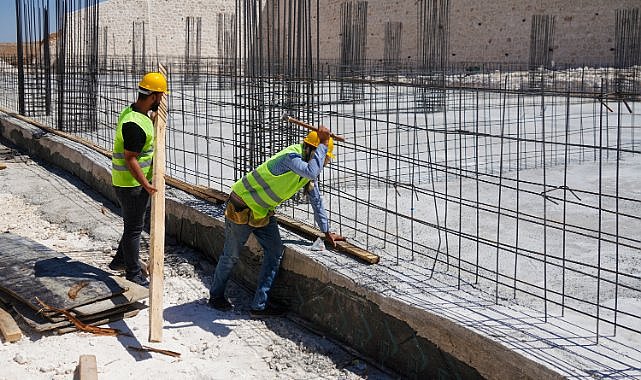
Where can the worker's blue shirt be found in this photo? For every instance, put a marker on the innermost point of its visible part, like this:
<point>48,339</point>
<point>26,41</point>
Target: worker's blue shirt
<point>311,170</point>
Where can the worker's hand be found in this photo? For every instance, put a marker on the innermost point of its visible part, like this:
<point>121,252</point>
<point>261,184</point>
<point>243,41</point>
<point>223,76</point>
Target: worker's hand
<point>323,134</point>
<point>332,238</point>
<point>153,115</point>
<point>150,189</point>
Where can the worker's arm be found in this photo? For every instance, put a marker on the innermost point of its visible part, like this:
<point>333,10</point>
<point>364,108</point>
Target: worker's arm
<point>310,170</point>
<point>131,160</point>
<point>316,201</point>
<point>320,215</point>
<point>307,169</point>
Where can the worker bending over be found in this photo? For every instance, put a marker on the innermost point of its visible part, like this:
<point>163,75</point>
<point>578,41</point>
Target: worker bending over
<point>250,209</point>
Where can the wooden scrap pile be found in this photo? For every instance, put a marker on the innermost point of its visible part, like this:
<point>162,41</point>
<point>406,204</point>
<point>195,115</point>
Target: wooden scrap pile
<point>48,291</point>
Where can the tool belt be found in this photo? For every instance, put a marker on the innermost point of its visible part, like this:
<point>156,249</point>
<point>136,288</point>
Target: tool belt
<point>238,203</point>
<point>238,212</point>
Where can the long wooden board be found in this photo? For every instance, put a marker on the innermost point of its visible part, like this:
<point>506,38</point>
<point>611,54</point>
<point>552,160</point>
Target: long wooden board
<point>157,227</point>
<point>38,323</point>
<point>212,195</point>
<point>29,269</point>
<point>342,246</point>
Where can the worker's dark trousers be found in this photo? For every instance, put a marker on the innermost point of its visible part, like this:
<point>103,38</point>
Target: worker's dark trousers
<point>134,202</point>
<point>235,237</point>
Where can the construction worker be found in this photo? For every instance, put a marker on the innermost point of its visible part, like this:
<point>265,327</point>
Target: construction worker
<point>250,209</point>
<point>131,171</point>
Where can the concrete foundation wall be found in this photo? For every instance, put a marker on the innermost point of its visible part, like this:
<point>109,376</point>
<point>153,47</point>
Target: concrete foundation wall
<point>416,343</point>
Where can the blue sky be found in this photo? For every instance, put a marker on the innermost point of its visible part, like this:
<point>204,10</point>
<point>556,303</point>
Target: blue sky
<point>8,18</point>
<point>8,21</point>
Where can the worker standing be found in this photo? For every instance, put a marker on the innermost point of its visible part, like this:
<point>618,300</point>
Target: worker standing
<point>131,171</point>
<point>250,209</point>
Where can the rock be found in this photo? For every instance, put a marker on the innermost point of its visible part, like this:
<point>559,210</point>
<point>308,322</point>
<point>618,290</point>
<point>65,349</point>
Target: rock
<point>20,359</point>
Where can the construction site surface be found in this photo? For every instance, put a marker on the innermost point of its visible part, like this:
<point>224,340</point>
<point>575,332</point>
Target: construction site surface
<point>485,177</point>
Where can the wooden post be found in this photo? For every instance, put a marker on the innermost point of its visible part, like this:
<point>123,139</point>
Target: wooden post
<point>87,368</point>
<point>157,228</point>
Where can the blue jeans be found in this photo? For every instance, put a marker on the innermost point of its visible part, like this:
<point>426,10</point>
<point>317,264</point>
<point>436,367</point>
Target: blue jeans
<point>235,237</point>
<point>134,202</point>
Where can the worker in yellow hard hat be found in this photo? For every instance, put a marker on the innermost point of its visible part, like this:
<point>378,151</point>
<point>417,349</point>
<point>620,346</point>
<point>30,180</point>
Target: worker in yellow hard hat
<point>131,171</point>
<point>250,209</point>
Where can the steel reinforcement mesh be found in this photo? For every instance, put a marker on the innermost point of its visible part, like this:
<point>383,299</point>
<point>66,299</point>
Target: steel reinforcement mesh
<point>517,181</point>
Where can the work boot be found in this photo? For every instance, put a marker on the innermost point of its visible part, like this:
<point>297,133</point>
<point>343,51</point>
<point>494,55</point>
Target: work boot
<point>221,304</point>
<point>269,311</point>
<point>139,279</point>
<point>117,265</point>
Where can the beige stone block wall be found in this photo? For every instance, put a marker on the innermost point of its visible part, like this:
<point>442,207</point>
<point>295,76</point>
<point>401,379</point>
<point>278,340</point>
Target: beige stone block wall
<point>165,22</point>
<point>480,31</point>
<point>491,30</point>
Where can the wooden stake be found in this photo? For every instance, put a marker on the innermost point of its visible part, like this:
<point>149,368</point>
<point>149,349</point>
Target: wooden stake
<point>87,368</point>
<point>157,228</point>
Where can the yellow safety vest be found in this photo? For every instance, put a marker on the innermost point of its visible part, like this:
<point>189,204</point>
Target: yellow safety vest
<point>262,191</point>
<point>120,175</point>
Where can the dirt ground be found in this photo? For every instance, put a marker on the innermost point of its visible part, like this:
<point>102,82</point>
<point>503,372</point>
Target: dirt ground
<point>49,206</point>
<point>8,49</point>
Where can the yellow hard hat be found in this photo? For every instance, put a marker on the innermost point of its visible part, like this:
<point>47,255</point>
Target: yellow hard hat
<point>154,82</point>
<point>313,140</point>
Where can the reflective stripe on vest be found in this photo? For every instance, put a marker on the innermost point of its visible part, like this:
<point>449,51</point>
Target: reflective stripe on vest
<point>120,175</point>
<point>262,191</point>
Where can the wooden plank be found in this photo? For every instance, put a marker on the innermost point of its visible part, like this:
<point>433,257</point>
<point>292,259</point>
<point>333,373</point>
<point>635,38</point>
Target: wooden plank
<point>54,131</point>
<point>10,330</point>
<point>87,368</point>
<point>341,245</point>
<point>39,323</point>
<point>157,228</point>
<point>31,317</point>
<point>29,269</point>
<point>132,311</point>
<point>206,193</point>
<point>133,293</point>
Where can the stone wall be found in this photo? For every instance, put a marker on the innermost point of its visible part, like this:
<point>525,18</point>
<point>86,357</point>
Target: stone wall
<point>479,31</point>
<point>492,30</point>
<point>164,25</point>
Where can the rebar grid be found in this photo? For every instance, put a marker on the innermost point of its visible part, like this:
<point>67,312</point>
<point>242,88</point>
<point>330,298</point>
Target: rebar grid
<point>496,187</point>
<point>515,182</point>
